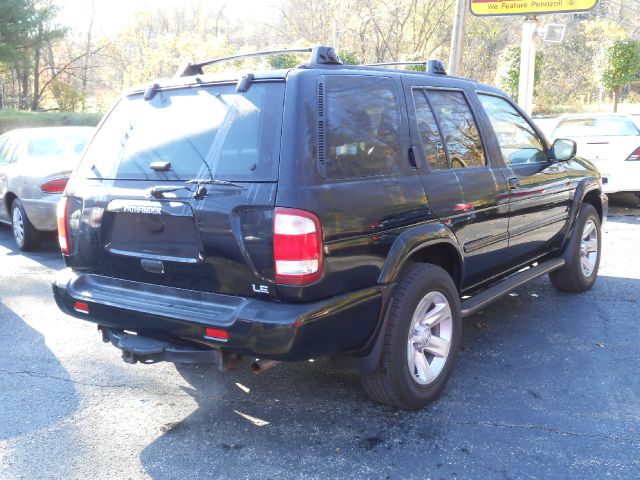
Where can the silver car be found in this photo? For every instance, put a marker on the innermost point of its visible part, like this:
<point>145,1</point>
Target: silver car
<point>35,164</point>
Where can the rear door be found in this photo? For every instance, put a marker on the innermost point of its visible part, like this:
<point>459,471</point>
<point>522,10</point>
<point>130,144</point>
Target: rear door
<point>540,190</point>
<point>463,189</point>
<point>141,213</point>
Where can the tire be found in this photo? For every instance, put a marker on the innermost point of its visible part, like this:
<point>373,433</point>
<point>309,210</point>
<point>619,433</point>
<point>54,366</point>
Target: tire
<point>581,270</point>
<point>25,235</point>
<point>422,289</point>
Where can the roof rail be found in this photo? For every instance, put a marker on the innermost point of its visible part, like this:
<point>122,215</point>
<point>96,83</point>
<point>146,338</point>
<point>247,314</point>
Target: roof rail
<point>433,67</point>
<point>319,55</point>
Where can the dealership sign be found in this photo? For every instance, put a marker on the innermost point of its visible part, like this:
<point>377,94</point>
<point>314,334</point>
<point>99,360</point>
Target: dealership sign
<point>529,7</point>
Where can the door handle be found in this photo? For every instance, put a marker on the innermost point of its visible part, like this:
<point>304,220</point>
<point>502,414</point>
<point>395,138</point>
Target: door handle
<point>513,182</point>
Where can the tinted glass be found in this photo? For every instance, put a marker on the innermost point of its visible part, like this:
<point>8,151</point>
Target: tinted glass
<point>204,132</point>
<point>517,139</point>
<point>458,128</point>
<point>596,127</point>
<point>431,140</point>
<point>363,126</point>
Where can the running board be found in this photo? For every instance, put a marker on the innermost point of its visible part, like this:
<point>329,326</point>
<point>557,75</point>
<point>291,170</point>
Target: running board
<point>477,302</point>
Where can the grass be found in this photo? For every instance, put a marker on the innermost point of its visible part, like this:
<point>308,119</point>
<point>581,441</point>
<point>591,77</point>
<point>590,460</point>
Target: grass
<point>11,119</point>
<point>628,108</point>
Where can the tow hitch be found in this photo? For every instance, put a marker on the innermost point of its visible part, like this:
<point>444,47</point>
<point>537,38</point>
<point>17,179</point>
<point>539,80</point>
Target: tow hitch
<point>138,348</point>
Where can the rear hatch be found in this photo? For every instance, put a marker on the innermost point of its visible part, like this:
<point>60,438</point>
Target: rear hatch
<point>178,188</point>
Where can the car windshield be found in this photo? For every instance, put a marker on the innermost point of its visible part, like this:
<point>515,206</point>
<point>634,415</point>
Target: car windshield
<point>202,132</point>
<point>596,127</point>
<point>69,145</point>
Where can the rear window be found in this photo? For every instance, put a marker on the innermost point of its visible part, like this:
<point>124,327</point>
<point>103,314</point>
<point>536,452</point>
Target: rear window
<point>596,127</point>
<point>57,146</point>
<point>203,132</point>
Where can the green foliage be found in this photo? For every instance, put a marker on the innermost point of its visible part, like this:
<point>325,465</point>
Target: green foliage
<point>621,64</point>
<point>10,119</point>
<point>283,61</point>
<point>348,57</point>
<point>417,68</point>
<point>67,97</point>
<point>508,77</point>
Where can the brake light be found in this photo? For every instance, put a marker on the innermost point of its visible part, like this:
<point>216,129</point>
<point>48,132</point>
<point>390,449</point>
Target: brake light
<point>297,246</point>
<point>635,156</point>
<point>63,232</point>
<point>57,185</point>
<point>216,334</point>
<point>81,307</point>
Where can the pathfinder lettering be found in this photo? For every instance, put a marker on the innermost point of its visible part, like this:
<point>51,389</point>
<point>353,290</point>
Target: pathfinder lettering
<point>141,209</point>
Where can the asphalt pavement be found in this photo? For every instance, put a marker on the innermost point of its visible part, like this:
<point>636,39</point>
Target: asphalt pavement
<point>546,385</point>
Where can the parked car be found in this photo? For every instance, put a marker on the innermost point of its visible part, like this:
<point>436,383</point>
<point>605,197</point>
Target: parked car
<point>611,142</point>
<point>35,165</point>
<point>357,212</point>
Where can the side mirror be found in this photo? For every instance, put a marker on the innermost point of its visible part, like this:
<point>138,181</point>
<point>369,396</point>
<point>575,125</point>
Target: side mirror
<point>563,149</point>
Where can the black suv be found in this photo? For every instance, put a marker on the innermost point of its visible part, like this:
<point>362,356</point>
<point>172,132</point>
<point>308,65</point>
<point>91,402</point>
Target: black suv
<point>358,212</point>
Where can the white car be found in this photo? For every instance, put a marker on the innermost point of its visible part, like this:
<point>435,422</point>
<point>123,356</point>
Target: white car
<point>35,164</point>
<point>611,142</point>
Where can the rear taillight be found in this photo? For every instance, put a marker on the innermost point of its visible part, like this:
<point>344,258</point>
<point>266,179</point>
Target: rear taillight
<point>297,246</point>
<point>635,156</point>
<point>216,334</point>
<point>57,185</point>
<point>63,232</point>
<point>81,307</point>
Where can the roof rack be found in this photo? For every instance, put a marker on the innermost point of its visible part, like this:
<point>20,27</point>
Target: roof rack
<point>319,55</point>
<point>433,67</point>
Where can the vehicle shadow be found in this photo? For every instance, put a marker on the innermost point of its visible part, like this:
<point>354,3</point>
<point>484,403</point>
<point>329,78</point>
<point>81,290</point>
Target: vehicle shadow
<point>522,363</point>
<point>48,254</point>
<point>25,364</point>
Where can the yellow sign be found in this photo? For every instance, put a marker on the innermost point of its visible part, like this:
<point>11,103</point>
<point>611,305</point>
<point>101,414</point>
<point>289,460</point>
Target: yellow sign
<point>529,7</point>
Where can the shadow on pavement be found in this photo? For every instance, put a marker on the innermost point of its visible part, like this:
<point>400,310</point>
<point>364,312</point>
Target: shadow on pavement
<point>528,396</point>
<point>48,254</point>
<point>27,369</point>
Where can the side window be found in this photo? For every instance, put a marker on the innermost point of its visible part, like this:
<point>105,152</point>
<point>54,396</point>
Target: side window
<point>517,139</point>
<point>458,127</point>
<point>429,133</point>
<point>363,134</point>
<point>13,153</point>
<point>5,151</point>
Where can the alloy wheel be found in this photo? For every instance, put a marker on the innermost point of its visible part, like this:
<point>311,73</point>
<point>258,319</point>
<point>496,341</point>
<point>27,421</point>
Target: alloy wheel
<point>17,223</point>
<point>589,248</point>
<point>429,339</point>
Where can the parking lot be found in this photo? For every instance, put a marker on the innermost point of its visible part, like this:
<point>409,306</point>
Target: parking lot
<point>547,385</point>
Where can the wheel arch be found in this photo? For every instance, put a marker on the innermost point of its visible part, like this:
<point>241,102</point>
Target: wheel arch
<point>588,191</point>
<point>593,197</point>
<point>9,197</point>
<point>431,243</point>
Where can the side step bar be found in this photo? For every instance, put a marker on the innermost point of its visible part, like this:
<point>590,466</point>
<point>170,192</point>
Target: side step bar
<point>478,302</point>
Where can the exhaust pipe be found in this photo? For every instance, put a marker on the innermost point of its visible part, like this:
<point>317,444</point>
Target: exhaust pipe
<point>260,366</point>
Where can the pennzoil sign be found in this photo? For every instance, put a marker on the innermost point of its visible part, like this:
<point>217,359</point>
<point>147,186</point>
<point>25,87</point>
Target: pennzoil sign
<point>530,7</point>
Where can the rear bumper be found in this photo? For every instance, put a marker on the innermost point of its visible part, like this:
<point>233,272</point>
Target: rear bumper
<point>264,329</point>
<point>42,211</point>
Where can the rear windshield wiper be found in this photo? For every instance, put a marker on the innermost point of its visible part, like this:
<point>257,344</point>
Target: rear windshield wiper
<point>201,190</point>
<point>159,190</point>
<point>211,181</point>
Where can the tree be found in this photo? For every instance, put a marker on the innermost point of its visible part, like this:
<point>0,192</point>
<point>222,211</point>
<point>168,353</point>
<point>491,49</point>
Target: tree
<point>620,66</point>
<point>508,76</point>
<point>283,61</point>
<point>348,57</point>
<point>26,28</point>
